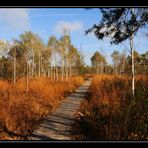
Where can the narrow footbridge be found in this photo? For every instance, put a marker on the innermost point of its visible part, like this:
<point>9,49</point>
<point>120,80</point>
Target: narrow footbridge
<point>57,126</point>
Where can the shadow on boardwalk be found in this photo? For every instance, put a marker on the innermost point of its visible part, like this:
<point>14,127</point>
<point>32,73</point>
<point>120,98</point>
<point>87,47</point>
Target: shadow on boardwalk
<point>58,125</point>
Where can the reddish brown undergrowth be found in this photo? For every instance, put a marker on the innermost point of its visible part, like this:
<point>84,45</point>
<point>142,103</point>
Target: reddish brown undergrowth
<point>21,111</point>
<point>110,114</point>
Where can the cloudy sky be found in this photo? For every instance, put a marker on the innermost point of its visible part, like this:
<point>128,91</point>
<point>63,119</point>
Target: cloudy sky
<point>51,21</point>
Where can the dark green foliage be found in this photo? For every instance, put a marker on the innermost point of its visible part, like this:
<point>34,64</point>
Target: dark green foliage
<point>118,23</point>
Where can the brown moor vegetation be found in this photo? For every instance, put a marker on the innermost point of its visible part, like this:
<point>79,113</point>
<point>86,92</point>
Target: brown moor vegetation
<point>21,111</point>
<point>111,112</point>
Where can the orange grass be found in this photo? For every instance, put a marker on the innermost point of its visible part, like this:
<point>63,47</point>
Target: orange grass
<point>108,114</point>
<point>21,111</point>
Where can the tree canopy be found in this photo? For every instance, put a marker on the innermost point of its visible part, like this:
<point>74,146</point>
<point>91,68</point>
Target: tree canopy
<point>120,23</point>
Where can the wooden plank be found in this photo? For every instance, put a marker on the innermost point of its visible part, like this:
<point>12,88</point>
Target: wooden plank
<point>57,126</point>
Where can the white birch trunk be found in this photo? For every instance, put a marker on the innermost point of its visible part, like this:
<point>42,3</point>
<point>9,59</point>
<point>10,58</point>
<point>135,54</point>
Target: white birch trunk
<point>27,79</point>
<point>66,69</point>
<point>33,65</point>
<point>132,56</point>
<point>62,70</point>
<point>14,66</point>
<point>133,64</point>
<point>51,73</point>
<point>39,73</point>
<point>56,70</point>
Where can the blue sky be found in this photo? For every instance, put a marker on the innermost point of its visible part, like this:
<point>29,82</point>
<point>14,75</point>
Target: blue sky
<point>50,21</point>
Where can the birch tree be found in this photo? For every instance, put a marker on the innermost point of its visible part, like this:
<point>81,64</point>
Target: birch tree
<point>98,62</point>
<point>13,52</point>
<point>116,60</point>
<point>121,24</point>
<point>62,57</point>
<point>52,46</point>
<point>65,39</point>
<point>123,61</point>
<point>72,57</point>
<point>4,49</point>
<point>32,43</point>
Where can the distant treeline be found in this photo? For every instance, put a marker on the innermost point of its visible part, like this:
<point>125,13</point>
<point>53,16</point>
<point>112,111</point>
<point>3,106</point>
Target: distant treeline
<point>121,63</point>
<point>28,56</point>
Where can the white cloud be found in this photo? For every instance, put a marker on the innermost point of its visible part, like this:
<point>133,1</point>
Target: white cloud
<point>14,18</point>
<point>71,26</point>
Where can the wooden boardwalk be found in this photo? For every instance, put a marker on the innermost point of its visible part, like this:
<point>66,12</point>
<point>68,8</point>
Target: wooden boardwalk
<point>57,126</point>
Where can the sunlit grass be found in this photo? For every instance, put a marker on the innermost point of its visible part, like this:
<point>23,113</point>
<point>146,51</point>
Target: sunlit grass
<point>21,111</point>
<point>109,114</point>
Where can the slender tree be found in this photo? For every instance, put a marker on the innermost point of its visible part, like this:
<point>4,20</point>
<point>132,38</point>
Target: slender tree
<point>4,49</point>
<point>121,24</point>
<point>72,57</point>
<point>116,60</point>
<point>65,39</point>
<point>123,61</point>
<point>52,46</point>
<point>144,62</point>
<point>32,43</point>
<point>98,62</point>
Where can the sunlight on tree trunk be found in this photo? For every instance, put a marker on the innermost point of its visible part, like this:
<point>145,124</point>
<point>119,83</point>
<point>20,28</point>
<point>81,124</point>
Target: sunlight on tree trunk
<point>133,65</point>
<point>62,71</point>
<point>27,79</point>
<point>57,78</point>
<point>14,66</point>
<point>51,74</point>
<point>39,73</point>
<point>132,56</point>
<point>33,64</point>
